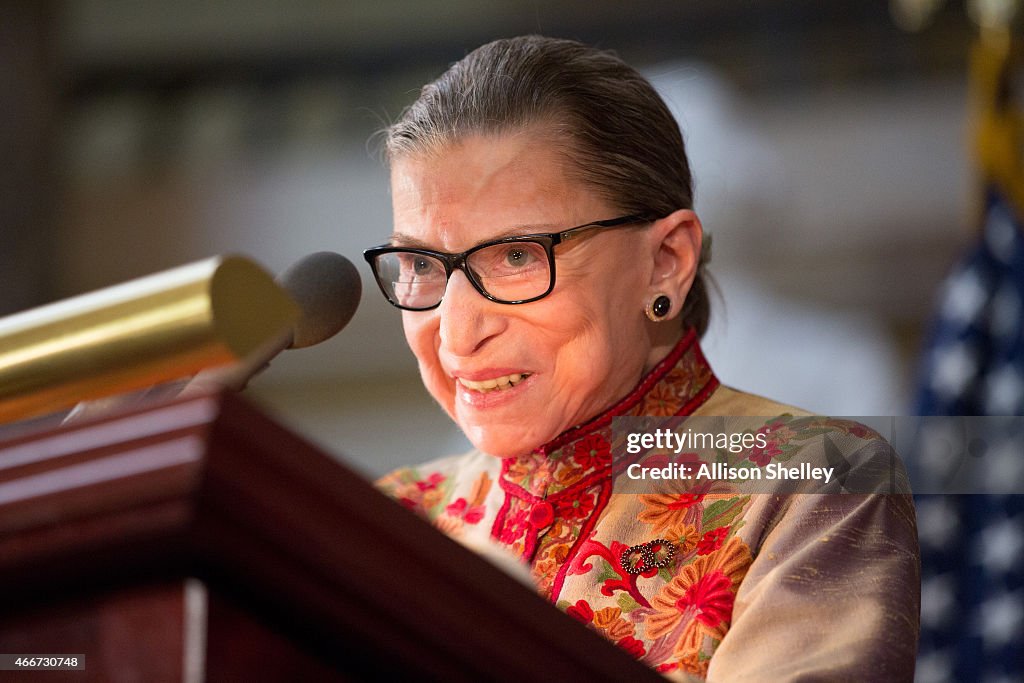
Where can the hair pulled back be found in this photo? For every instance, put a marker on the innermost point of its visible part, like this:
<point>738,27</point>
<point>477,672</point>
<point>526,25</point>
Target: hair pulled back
<point>618,135</point>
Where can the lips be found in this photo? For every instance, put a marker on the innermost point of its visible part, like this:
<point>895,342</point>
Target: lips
<point>501,383</point>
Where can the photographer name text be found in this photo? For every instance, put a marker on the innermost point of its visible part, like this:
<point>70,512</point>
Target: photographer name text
<point>721,471</point>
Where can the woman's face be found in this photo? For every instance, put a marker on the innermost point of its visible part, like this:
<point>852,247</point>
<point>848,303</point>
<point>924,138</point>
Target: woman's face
<point>578,350</point>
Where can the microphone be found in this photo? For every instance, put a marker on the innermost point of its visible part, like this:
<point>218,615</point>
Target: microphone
<point>327,287</point>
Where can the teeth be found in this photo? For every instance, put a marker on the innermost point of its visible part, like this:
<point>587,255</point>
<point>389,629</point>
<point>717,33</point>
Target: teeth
<point>496,383</point>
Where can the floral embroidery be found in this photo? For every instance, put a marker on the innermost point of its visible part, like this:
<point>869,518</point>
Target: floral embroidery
<point>520,469</point>
<point>682,382</point>
<point>632,646</point>
<point>460,508</point>
<point>609,621</point>
<point>698,601</point>
<point>581,612</point>
<point>787,435</point>
<point>661,402</point>
<point>415,492</point>
<point>593,451</point>
<point>572,472</point>
<point>471,511</point>
<point>712,540</point>
<point>554,498</point>
<point>544,569</point>
<point>686,538</point>
<point>515,525</point>
<point>694,664</point>
<point>673,617</point>
<point>615,577</point>
<point>710,598</point>
<point>668,511</point>
<point>576,508</point>
<point>567,476</point>
<point>430,491</point>
<point>762,456</point>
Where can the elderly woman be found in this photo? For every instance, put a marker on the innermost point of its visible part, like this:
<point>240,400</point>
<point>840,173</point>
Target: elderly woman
<point>550,271</point>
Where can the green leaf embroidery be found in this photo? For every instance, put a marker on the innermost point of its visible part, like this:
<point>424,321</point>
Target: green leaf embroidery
<point>723,512</point>
<point>607,573</point>
<point>627,603</point>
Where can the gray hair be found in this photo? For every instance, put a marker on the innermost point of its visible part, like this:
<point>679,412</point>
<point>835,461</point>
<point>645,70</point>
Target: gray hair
<point>620,137</point>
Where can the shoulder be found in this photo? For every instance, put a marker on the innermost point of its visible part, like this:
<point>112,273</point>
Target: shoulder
<point>428,488</point>
<point>728,401</point>
<point>861,458</point>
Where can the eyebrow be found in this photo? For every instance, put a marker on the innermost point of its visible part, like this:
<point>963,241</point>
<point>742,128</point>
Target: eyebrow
<point>399,239</point>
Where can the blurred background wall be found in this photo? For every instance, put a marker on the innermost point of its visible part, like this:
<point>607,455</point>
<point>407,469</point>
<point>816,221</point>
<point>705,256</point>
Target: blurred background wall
<point>828,142</point>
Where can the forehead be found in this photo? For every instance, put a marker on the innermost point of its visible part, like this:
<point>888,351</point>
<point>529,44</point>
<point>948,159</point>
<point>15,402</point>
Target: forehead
<point>485,186</point>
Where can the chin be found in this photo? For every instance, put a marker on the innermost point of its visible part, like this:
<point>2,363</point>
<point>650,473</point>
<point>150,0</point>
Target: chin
<point>497,444</point>
<point>499,448</point>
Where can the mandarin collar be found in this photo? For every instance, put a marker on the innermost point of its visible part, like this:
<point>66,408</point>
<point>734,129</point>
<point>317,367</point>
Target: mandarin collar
<point>677,385</point>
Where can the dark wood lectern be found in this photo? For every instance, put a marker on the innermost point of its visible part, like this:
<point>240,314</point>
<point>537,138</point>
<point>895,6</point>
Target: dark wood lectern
<point>198,540</point>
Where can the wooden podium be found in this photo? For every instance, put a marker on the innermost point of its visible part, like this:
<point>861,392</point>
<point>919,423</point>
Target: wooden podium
<point>198,540</point>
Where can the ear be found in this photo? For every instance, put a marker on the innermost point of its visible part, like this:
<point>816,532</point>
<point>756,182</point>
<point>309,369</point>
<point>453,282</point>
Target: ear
<point>676,242</point>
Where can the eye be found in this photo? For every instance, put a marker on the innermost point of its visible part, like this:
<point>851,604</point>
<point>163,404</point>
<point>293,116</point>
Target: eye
<point>422,265</point>
<point>418,266</point>
<point>520,256</point>
<point>507,259</point>
<point>517,257</point>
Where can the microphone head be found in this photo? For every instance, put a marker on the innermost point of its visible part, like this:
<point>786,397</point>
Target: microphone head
<point>327,287</point>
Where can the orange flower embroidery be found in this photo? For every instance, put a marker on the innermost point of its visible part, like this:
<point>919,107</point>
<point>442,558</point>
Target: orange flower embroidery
<point>693,664</point>
<point>685,537</point>
<point>666,510</point>
<point>567,475</point>
<point>478,493</point>
<point>661,402</point>
<point>606,616</point>
<point>546,566</point>
<point>609,620</point>
<point>668,396</point>
<point>523,467</point>
<point>699,600</point>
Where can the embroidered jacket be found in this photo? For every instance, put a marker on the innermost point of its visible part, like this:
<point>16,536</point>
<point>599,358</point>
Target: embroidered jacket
<point>753,587</point>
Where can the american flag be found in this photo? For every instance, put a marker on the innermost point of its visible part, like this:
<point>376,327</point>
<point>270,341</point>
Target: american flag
<point>972,546</point>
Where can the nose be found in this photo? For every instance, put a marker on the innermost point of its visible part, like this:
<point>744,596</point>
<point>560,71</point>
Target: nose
<point>469,321</point>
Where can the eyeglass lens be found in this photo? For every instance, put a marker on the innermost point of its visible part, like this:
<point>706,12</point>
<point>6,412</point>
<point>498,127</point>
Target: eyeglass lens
<point>510,271</point>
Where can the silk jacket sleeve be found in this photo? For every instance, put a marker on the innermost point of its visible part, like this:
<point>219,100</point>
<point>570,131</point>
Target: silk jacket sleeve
<point>832,595</point>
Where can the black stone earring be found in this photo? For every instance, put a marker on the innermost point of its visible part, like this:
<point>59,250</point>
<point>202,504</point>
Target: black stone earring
<point>659,308</point>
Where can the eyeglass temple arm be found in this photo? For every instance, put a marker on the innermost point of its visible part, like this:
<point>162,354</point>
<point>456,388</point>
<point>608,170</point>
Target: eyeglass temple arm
<point>573,233</point>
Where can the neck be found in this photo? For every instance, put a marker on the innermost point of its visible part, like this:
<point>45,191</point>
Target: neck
<point>663,337</point>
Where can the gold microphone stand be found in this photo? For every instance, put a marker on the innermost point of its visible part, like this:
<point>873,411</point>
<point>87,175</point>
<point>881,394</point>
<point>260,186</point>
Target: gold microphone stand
<point>139,334</point>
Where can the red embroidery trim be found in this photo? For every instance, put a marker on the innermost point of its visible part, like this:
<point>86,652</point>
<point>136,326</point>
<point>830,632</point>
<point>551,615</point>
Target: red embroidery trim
<point>499,519</point>
<point>603,496</point>
<point>653,377</point>
<point>601,475</point>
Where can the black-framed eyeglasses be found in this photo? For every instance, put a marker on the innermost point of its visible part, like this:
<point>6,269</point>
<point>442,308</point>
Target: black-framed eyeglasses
<point>511,270</point>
